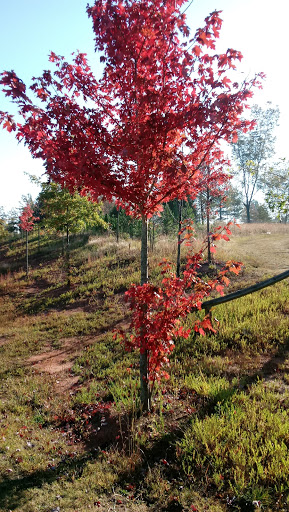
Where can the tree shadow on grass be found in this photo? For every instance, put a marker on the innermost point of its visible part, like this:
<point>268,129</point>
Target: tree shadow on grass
<point>268,366</point>
<point>12,491</point>
<point>108,433</point>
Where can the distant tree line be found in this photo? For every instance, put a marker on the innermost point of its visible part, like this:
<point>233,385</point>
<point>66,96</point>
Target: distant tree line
<point>65,214</point>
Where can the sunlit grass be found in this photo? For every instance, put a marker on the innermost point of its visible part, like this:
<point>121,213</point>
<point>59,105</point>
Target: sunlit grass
<point>243,446</point>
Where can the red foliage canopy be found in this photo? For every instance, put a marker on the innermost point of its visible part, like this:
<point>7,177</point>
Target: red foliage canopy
<point>142,132</point>
<point>27,218</point>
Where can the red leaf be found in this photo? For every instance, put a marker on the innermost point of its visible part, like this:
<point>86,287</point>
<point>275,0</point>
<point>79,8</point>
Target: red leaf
<point>197,50</point>
<point>225,237</point>
<point>220,289</point>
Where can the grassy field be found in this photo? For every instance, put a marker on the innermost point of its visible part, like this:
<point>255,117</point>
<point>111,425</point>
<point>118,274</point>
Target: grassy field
<point>71,436</point>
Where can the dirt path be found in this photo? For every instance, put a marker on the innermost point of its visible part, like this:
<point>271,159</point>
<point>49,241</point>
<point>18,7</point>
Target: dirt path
<point>58,362</point>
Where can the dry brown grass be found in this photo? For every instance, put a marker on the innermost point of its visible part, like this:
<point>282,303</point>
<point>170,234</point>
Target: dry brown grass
<point>261,228</point>
<point>264,248</point>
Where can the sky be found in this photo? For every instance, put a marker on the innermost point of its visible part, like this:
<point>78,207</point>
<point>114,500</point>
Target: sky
<point>30,30</point>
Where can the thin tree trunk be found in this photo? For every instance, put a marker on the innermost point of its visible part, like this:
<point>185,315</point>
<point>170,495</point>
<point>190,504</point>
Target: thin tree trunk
<point>68,255</point>
<point>152,234</point>
<point>202,210</point>
<point>179,238</point>
<point>208,226</point>
<point>27,263</point>
<point>117,226</point>
<point>247,205</point>
<point>144,371</point>
<point>38,232</point>
<point>131,229</point>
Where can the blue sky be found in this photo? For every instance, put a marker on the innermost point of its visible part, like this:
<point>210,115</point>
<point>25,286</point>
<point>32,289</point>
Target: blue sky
<point>30,29</point>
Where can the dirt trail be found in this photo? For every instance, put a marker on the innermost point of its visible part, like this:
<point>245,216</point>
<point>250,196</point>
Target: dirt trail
<point>58,362</point>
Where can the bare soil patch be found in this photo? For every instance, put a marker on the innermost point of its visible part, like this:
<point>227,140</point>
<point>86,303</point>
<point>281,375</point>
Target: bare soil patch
<point>58,362</point>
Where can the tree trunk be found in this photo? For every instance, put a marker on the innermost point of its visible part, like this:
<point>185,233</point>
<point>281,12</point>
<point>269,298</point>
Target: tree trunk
<point>38,232</point>
<point>208,225</point>
<point>152,235</point>
<point>202,210</point>
<point>179,238</point>
<point>27,263</point>
<point>247,205</point>
<point>131,229</point>
<point>144,383</point>
<point>117,226</point>
<point>68,255</point>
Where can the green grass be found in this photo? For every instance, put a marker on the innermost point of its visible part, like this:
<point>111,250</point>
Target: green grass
<point>218,428</point>
<point>243,447</point>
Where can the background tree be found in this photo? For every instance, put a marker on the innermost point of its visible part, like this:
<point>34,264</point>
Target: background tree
<point>26,223</point>
<point>253,151</point>
<point>231,206</point>
<point>159,112</point>
<point>215,184</point>
<point>277,190</point>
<point>121,223</point>
<point>169,218</point>
<point>13,221</point>
<point>3,223</point>
<point>3,228</point>
<point>259,213</point>
<point>67,213</point>
<point>170,221</point>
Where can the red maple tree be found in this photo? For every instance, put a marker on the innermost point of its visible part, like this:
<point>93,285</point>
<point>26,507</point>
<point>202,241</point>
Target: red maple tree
<point>27,219</point>
<point>26,223</point>
<point>141,133</point>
